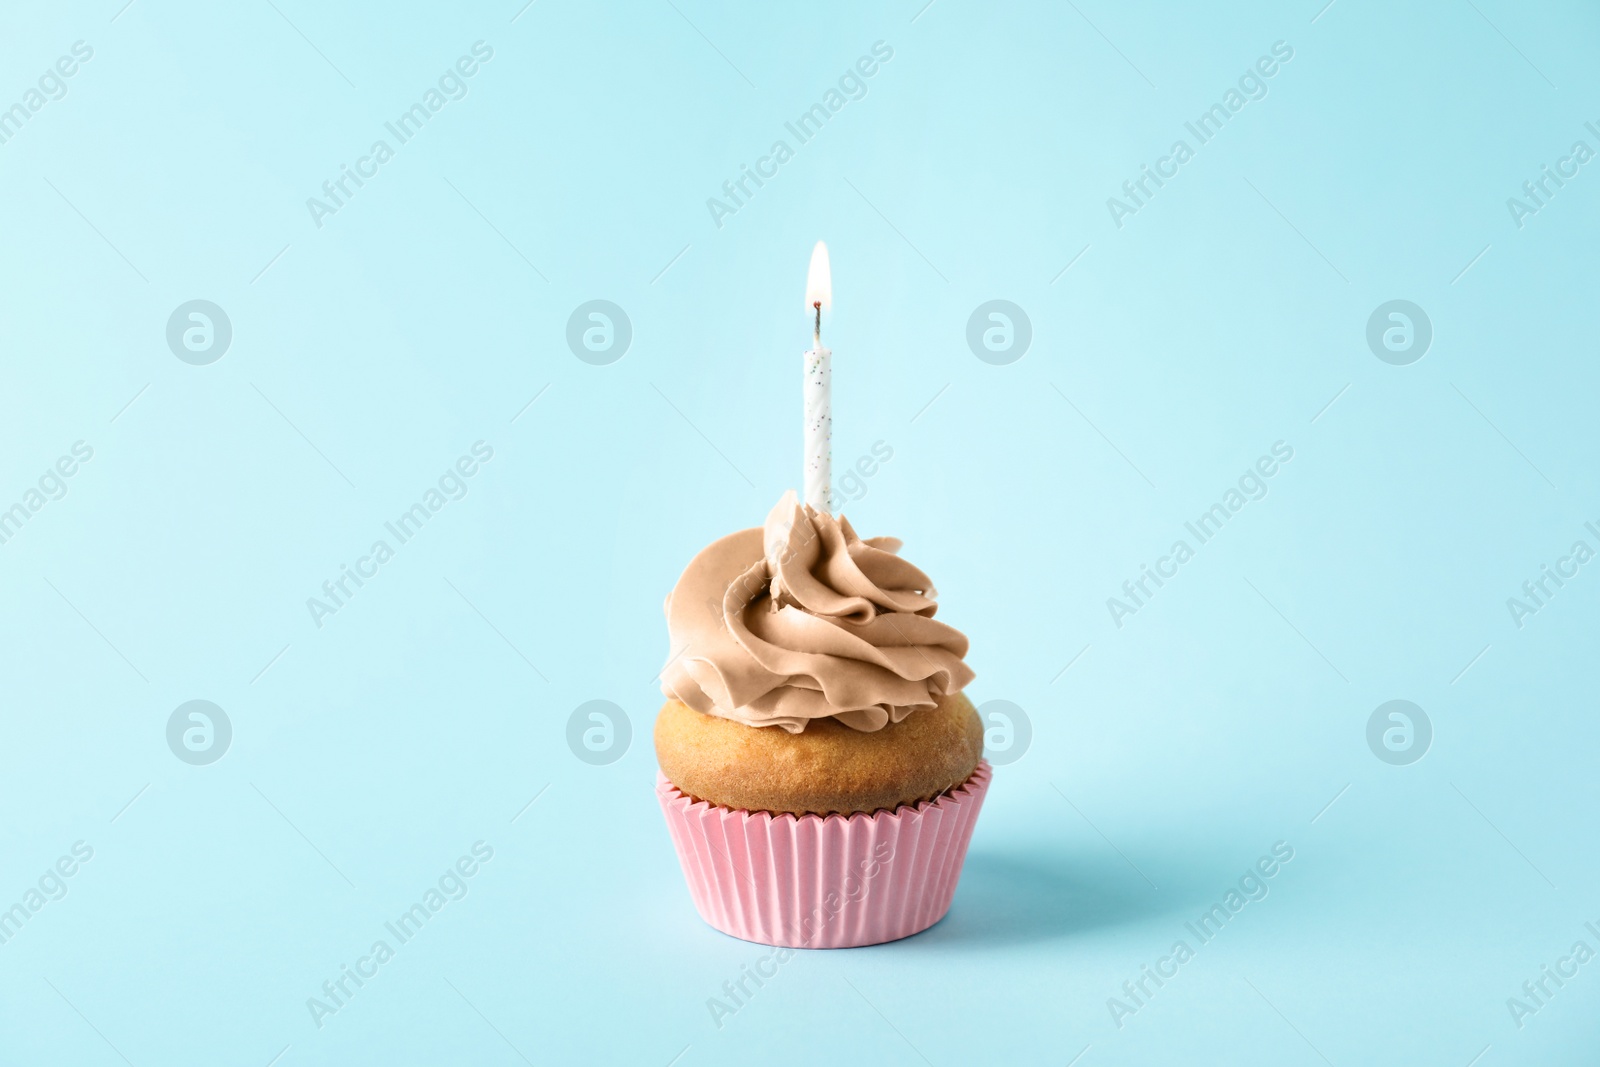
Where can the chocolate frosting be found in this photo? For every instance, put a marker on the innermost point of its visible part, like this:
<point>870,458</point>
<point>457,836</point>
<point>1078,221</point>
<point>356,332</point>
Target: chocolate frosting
<point>801,619</point>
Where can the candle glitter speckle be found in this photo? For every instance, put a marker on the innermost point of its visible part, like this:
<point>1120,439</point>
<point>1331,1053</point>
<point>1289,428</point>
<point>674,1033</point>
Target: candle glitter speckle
<point>818,482</point>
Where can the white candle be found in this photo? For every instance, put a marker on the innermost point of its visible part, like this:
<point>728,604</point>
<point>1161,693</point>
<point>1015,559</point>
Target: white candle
<point>818,482</point>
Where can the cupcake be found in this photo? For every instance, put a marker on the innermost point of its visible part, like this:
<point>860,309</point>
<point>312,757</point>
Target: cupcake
<point>821,770</point>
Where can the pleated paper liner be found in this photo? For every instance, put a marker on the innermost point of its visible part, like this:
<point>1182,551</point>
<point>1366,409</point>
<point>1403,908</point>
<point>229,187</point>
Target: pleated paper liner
<point>824,882</point>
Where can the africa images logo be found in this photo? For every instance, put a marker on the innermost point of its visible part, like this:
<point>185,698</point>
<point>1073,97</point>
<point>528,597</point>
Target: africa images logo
<point>1253,886</point>
<point>1252,85</point>
<point>453,884</point>
<point>199,332</point>
<point>452,485</point>
<point>852,85</point>
<point>337,192</point>
<point>199,732</point>
<point>51,86</point>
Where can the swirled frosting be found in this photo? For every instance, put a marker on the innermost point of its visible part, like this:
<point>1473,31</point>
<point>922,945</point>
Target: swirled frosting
<point>801,619</point>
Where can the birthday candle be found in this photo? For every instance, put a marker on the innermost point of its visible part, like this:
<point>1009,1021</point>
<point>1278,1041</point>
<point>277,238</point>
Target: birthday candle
<point>818,481</point>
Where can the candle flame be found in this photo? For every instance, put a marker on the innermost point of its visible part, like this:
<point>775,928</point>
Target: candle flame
<point>819,280</point>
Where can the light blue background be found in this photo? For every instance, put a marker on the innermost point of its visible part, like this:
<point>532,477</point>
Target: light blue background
<point>368,354</point>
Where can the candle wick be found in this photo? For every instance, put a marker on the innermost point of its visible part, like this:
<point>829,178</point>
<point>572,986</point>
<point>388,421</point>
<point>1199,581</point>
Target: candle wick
<point>816,329</point>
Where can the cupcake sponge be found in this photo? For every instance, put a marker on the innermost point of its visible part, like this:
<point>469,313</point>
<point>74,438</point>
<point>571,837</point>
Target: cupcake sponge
<point>828,768</point>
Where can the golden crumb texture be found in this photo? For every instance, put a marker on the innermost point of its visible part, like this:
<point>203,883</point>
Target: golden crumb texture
<point>828,768</point>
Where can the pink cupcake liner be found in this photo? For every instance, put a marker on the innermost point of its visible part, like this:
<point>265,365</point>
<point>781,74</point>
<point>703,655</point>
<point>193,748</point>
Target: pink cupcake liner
<point>815,882</point>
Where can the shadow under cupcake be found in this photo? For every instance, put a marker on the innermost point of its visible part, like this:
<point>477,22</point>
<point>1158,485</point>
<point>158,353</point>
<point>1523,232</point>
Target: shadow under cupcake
<point>821,771</point>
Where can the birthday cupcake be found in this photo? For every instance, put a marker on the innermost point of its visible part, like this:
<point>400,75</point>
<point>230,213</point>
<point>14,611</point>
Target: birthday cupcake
<point>821,771</point>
